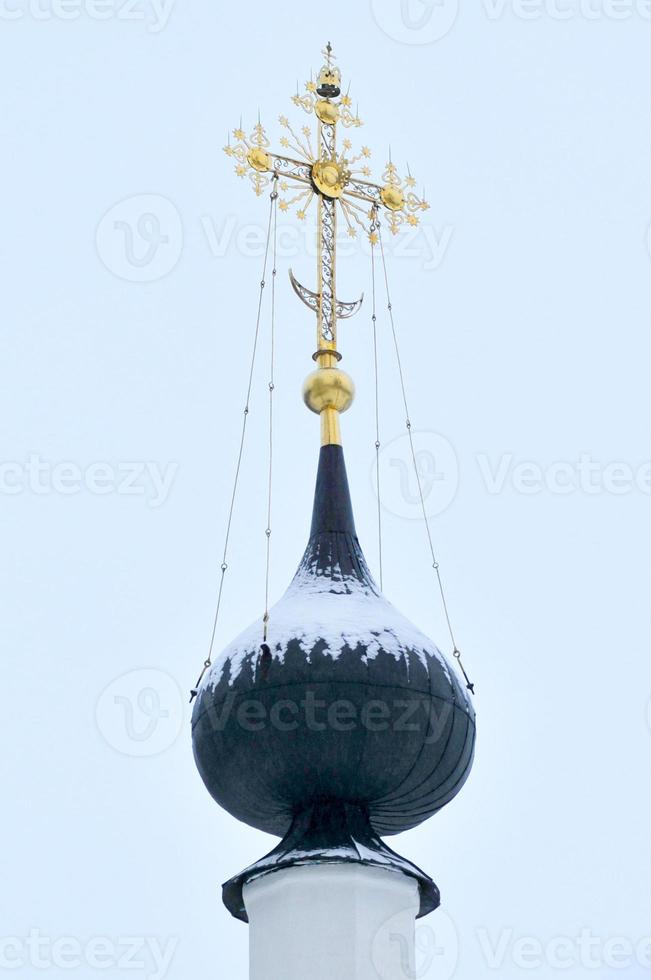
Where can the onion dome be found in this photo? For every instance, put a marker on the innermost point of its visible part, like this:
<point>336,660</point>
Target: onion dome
<point>347,724</point>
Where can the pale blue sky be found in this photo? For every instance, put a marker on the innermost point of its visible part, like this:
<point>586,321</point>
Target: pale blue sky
<point>523,306</point>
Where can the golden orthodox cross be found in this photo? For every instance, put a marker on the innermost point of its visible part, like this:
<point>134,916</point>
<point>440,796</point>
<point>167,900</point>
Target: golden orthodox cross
<point>332,177</point>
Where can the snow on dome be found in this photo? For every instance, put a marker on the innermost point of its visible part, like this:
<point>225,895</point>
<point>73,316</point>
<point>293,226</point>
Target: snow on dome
<point>339,610</point>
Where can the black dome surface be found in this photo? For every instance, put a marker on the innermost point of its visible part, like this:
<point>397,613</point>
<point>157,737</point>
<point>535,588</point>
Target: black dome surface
<point>349,704</point>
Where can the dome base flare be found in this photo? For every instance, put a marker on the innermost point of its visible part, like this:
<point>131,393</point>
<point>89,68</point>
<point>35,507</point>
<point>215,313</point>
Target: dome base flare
<point>329,833</point>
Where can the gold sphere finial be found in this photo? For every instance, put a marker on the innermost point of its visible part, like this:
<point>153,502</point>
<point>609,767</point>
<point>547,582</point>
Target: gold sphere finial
<point>328,392</point>
<point>328,387</point>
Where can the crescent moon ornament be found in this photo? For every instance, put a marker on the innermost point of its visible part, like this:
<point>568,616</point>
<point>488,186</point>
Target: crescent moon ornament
<point>311,300</point>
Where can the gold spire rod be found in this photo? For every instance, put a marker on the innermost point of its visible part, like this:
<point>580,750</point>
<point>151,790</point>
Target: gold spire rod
<point>332,177</point>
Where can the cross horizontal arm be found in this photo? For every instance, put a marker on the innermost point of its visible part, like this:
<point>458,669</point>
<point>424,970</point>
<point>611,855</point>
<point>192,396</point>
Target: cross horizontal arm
<point>290,168</point>
<point>365,190</point>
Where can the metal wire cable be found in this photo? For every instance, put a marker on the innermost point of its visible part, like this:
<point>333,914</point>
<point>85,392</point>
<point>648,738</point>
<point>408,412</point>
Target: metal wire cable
<point>374,228</point>
<point>224,565</point>
<point>274,198</point>
<point>435,563</point>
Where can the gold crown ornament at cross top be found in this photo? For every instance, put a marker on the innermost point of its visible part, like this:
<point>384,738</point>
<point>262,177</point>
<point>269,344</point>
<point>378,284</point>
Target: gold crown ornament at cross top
<point>332,177</point>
